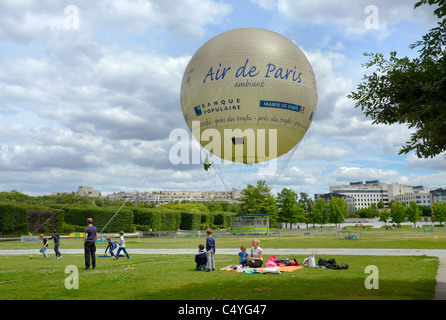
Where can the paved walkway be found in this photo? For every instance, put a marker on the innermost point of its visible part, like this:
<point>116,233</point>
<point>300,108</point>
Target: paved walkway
<point>440,290</point>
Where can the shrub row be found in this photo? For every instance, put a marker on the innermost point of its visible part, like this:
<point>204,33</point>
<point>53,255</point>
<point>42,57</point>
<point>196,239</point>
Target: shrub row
<point>105,219</point>
<point>170,220</point>
<point>17,219</point>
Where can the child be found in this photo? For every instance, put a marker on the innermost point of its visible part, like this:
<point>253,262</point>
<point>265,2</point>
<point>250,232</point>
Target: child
<point>201,258</point>
<point>45,246</point>
<point>256,259</point>
<point>121,246</point>
<point>112,247</point>
<point>210,250</point>
<point>243,256</point>
<point>56,238</point>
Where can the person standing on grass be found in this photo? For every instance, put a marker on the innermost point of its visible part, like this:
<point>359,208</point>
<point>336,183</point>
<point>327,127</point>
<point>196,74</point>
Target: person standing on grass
<point>56,239</point>
<point>210,250</point>
<point>45,246</point>
<point>256,259</point>
<point>91,234</point>
<point>121,245</point>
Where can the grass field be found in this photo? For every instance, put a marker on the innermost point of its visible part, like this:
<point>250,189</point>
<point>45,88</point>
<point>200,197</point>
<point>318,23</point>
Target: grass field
<point>166,277</point>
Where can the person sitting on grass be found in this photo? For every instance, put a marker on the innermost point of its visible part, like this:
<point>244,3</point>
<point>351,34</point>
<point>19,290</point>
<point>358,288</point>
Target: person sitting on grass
<point>256,259</point>
<point>201,258</point>
<point>243,255</point>
<point>112,246</point>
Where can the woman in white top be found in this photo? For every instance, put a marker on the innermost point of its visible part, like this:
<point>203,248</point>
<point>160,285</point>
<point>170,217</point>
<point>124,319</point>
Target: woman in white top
<point>256,259</point>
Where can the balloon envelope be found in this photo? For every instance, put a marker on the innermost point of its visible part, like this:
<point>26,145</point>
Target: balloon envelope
<point>249,95</point>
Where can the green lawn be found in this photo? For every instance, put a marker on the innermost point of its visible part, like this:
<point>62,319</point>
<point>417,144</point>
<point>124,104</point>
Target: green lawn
<point>170,277</point>
<point>166,277</point>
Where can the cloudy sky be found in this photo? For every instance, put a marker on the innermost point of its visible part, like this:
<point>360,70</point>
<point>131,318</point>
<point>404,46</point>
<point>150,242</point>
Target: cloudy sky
<point>90,91</point>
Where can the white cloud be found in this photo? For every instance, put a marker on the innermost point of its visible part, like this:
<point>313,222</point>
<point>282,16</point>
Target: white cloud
<point>350,17</point>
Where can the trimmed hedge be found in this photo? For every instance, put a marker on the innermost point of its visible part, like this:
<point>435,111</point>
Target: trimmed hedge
<point>220,219</point>
<point>190,220</point>
<point>17,219</point>
<point>44,221</point>
<point>123,220</point>
<point>13,219</point>
<point>157,219</point>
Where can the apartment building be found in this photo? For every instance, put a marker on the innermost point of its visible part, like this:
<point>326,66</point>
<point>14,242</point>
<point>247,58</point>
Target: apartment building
<point>165,197</point>
<point>367,192</point>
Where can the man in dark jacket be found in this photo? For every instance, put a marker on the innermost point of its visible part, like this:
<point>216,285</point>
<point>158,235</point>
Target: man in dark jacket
<point>56,239</point>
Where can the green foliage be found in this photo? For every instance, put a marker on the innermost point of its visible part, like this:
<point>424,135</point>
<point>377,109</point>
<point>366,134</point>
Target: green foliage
<point>259,200</point>
<point>190,221</point>
<point>290,211</point>
<point>439,211</point>
<point>185,206</point>
<point>102,217</point>
<point>43,221</point>
<point>220,220</point>
<point>320,211</point>
<point>367,213</point>
<point>151,218</point>
<point>337,210</point>
<point>413,212</point>
<point>384,216</point>
<point>170,221</point>
<point>13,219</point>
<point>397,212</point>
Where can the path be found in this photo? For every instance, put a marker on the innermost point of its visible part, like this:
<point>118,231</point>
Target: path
<point>440,290</point>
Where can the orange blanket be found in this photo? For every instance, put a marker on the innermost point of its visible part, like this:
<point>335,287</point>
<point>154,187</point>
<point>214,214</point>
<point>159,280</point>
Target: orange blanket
<point>290,268</point>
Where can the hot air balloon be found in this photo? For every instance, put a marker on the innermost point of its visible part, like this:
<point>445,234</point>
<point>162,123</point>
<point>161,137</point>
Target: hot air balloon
<point>249,95</point>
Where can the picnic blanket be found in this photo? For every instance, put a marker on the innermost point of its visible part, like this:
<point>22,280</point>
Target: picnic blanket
<point>290,268</point>
<point>277,269</point>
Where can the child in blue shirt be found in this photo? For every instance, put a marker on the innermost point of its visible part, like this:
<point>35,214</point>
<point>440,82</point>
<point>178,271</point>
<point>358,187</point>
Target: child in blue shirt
<point>243,256</point>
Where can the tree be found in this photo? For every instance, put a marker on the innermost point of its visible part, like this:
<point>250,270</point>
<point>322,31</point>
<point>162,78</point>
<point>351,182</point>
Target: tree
<point>411,91</point>
<point>337,210</point>
<point>384,216</point>
<point>290,211</point>
<point>439,212</point>
<point>397,212</point>
<point>308,206</point>
<point>258,200</point>
<point>367,213</point>
<point>413,212</point>
<point>320,211</point>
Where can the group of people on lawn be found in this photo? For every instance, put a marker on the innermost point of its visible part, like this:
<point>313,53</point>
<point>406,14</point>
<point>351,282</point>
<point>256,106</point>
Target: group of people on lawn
<point>91,235</point>
<point>205,258</point>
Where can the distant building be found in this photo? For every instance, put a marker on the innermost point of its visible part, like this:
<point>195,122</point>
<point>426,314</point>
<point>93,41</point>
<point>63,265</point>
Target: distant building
<point>327,197</point>
<point>369,192</point>
<point>88,192</point>
<point>437,195</point>
<point>83,191</point>
<point>165,197</point>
